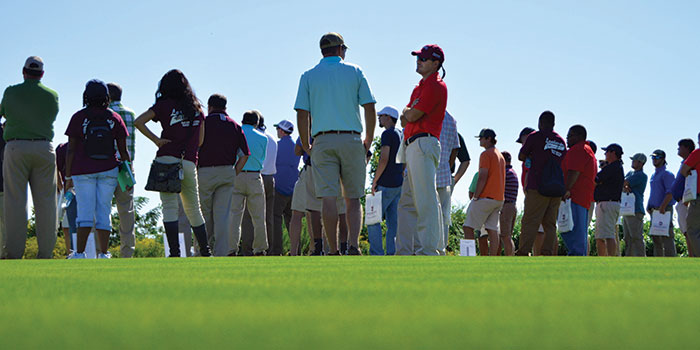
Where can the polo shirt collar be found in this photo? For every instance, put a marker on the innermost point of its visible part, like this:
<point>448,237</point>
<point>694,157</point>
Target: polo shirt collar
<point>432,77</point>
<point>331,59</point>
<point>661,169</point>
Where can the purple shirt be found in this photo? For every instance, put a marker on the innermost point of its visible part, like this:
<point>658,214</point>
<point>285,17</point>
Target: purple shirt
<point>540,146</point>
<point>511,192</point>
<point>287,164</point>
<point>82,163</point>
<point>182,133</point>
<point>223,139</point>
<point>661,184</point>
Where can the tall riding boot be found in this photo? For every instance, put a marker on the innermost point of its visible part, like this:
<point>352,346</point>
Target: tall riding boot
<point>200,233</point>
<point>173,236</point>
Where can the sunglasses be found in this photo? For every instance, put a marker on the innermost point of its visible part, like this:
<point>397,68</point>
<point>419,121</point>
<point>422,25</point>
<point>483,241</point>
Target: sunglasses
<point>422,59</point>
<point>657,157</point>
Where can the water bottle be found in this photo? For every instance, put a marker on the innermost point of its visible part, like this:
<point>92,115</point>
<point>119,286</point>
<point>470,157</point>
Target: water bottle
<point>69,196</point>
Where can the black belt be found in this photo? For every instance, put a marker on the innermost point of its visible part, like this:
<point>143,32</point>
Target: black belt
<point>508,201</point>
<point>250,171</point>
<point>27,140</point>
<point>417,136</point>
<point>337,132</point>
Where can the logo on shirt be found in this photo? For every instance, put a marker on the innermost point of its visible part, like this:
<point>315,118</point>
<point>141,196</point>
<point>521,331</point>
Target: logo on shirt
<point>554,145</point>
<point>176,117</point>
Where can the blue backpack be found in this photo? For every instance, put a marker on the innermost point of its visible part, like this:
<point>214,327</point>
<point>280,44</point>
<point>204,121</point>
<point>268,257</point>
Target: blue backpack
<point>551,182</point>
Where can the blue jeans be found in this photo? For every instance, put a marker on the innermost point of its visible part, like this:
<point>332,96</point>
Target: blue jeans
<point>576,240</point>
<point>71,215</point>
<point>390,204</point>
<point>94,193</point>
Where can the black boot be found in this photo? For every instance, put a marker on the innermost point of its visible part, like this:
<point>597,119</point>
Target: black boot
<point>200,233</point>
<point>172,234</point>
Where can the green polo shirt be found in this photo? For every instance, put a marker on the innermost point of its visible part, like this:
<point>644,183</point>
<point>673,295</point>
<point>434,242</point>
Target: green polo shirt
<point>30,109</point>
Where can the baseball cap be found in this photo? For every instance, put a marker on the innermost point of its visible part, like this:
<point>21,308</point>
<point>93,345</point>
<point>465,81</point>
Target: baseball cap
<point>96,88</point>
<point>331,39</point>
<point>613,147</point>
<point>659,154</point>
<point>486,133</point>
<point>390,111</point>
<point>525,131</point>
<point>34,63</point>
<point>432,52</point>
<point>285,125</point>
<point>640,157</point>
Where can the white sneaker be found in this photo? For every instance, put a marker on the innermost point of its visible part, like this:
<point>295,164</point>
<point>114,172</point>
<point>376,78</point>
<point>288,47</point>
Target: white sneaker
<point>104,256</point>
<point>75,255</point>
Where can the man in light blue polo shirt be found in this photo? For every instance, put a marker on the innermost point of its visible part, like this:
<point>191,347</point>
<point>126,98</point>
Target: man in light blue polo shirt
<point>248,188</point>
<point>331,94</point>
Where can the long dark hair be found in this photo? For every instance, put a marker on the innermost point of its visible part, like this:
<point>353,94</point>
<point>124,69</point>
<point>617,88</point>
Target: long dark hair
<point>174,85</point>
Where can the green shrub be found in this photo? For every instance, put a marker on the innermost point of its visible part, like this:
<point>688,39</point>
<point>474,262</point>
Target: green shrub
<point>31,248</point>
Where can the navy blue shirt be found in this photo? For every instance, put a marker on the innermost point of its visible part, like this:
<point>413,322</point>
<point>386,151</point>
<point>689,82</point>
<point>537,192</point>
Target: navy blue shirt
<point>287,166</point>
<point>393,173</point>
<point>609,183</point>
<point>678,186</point>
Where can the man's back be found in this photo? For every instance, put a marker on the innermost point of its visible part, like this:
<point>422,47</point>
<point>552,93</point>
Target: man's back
<point>541,146</point>
<point>223,137</point>
<point>495,187</point>
<point>30,109</point>
<point>128,117</point>
<point>257,144</point>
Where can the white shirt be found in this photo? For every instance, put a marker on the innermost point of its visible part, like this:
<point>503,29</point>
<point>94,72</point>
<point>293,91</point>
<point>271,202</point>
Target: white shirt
<point>269,165</point>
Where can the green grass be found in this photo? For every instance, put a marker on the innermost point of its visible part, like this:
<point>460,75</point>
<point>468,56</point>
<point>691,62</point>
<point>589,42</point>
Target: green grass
<point>350,302</point>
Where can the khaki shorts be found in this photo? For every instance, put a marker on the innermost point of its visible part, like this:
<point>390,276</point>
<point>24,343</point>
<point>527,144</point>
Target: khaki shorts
<point>483,212</point>
<point>304,199</point>
<point>606,216</point>
<point>339,158</point>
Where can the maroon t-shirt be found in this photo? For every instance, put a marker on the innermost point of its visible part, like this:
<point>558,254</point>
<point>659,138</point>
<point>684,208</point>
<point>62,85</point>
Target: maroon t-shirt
<point>61,152</point>
<point>540,146</point>
<point>182,133</point>
<point>223,138</point>
<point>82,164</point>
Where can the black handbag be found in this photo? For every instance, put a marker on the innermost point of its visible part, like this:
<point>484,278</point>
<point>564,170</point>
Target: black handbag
<point>164,177</point>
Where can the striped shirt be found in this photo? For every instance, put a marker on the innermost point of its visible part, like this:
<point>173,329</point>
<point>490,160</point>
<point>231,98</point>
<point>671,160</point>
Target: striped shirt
<point>449,140</point>
<point>511,192</point>
<point>128,118</point>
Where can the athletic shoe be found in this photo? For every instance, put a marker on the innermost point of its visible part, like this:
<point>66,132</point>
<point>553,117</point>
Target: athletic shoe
<point>104,256</point>
<point>75,255</point>
<point>354,251</point>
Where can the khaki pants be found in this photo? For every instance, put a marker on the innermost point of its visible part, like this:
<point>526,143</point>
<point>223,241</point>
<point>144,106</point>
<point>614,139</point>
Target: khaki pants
<point>189,195</point>
<point>666,245</point>
<point>633,230</point>
<point>248,190</point>
<point>125,209</point>
<point>682,212</point>
<point>407,241</point>
<point>33,163</point>
<point>693,225</point>
<point>539,210</point>
<point>247,224</point>
<point>282,209</point>
<point>507,219</point>
<point>445,196</point>
<point>216,185</point>
<point>422,157</point>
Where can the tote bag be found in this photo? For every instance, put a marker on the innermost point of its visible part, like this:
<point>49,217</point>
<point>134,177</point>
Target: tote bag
<point>373,208</point>
<point>690,193</point>
<point>660,223</point>
<point>565,221</point>
<point>627,204</point>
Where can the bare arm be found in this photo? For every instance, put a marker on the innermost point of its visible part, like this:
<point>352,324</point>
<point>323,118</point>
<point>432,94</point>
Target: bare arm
<point>412,115</point>
<point>124,155</point>
<point>664,204</point>
<point>370,123</point>
<point>481,182</point>
<point>453,158</point>
<point>383,162</point>
<point>240,163</point>
<point>303,124</point>
<point>140,124</point>
<point>461,170</point>
<point>298,150</point>
<point>571,178</point>
<point>685,170</point>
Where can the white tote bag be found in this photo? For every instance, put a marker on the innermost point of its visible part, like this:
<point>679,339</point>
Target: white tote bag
<point>659,223</point>
<point>690,193</point>
<point>565,221</point>
<point>627,204</point>
<point>373,208</point>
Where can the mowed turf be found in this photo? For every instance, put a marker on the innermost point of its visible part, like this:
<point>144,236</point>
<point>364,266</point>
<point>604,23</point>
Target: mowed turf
<point>351,302</point>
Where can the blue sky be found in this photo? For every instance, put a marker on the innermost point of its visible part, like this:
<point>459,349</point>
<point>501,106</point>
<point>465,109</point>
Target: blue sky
<point>627,70</point>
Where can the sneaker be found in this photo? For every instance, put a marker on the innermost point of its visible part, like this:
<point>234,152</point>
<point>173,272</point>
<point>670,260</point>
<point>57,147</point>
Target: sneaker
<point>354,251</point>
<point>104,256</point>
<point>75,255</point>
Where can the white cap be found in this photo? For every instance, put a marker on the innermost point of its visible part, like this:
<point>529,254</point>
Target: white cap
<point>390,111</point>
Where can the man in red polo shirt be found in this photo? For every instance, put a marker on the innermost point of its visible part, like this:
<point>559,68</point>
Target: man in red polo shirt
<point>423,117</point>
<point>579,167</point>
<point>693,219</point>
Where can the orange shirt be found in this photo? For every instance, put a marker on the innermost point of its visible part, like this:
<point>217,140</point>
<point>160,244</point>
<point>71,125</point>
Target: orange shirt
<point>492,160</point>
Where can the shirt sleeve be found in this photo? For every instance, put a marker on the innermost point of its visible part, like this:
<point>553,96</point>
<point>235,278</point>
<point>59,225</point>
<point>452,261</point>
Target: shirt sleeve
<point>636,179</point>
<point>693,160</point>
<point>428,99</point>
<point>365,95</point>
<point>576,160</point>
<point>243,146</point>
<point>668,182</point>
<point>75,126</point>
<point>463,154</point>
<point>303,101</point>
<point>527,146</point>
<point>157,109</point>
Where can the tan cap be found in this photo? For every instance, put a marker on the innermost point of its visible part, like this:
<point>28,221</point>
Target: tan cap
<point>331,39</point>
<point>34,63</point>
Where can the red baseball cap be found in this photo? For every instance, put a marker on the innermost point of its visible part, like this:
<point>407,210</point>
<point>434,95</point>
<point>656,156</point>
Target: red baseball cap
<point>432,52</point>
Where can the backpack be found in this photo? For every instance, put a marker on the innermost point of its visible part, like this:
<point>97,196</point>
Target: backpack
<point>551,182</point>
<point>99,141</point>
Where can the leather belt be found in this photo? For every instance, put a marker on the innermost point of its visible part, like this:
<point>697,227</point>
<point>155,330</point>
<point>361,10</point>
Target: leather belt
<point>250,171</point>
<point>417,136</point>
<point>27,140</point>
<point>337,132</point>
